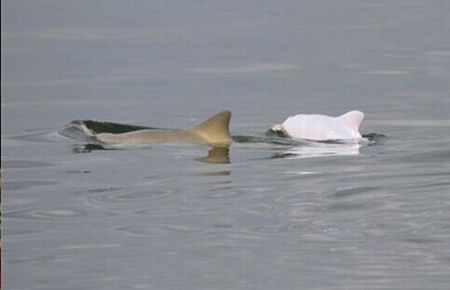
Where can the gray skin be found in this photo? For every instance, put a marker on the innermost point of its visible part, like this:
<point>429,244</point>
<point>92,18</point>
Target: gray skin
<point>214,132</point>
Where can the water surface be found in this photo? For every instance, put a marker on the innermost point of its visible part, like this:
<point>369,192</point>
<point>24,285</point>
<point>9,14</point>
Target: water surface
<point>275,216</point>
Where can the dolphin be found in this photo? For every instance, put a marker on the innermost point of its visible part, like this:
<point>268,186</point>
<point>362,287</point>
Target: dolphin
<point>214,131</point>
<point>317,127</point>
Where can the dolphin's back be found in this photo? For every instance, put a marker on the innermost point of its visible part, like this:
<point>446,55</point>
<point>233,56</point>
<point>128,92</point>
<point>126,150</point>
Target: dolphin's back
<point>214,131</point>
<point>322,127</point>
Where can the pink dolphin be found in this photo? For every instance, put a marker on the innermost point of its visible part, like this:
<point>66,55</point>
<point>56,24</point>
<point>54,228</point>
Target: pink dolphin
<point>321,128</point>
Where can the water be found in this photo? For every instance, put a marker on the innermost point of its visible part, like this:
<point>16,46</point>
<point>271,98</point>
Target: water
<point>274,217</point>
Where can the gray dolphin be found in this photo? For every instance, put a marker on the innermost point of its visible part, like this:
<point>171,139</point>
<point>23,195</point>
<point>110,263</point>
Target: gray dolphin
<point>214,132</point>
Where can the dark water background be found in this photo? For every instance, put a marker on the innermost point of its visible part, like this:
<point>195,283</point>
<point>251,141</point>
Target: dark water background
<point>157,218</point>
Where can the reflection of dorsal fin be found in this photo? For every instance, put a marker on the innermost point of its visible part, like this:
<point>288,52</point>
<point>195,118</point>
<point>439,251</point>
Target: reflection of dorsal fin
<point>217,155</point>
<point>352,120</point>
<point>215,130</point>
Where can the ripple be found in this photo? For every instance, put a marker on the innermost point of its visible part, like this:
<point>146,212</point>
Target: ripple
<point>20,185</point>
<point>164,211</point>
<point>145,194</point>
<point>389,72</point>
<point>246,68</point>
<point>15,164</point>
<point>350,192</point>
<point>46,136</point>
<point>15,201</point>
<point>443,53</point>
<point>224,192</point>
<point>428,157</point>
<point>421,240</point>
<point>97,190</point>
<point>346,206</point>
<point>89,246</point>
<point>443,123</point>
<point>155,229</point>
<point>78,172</point>
<point>124,200</point>
<point>56,214</point>
<point>430,185</point>
<point>64,213</point>
<point>19,232</point>
<point>118,195</point>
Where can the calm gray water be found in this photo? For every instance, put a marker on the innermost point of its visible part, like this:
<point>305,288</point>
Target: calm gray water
<point>276,216</point>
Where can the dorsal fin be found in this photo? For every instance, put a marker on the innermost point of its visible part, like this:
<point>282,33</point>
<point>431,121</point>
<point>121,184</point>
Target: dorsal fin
<point>215,130</point>
<point>352,120</point>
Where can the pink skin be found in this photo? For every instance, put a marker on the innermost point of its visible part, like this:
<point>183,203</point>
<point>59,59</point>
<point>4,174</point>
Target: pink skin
<point>321,128</point>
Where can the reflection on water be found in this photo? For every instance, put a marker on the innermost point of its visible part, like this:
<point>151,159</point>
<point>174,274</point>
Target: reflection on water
<point>319,150</point>
<point>301,149</point>
<point>294,148</point>
<point>217,155</point>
